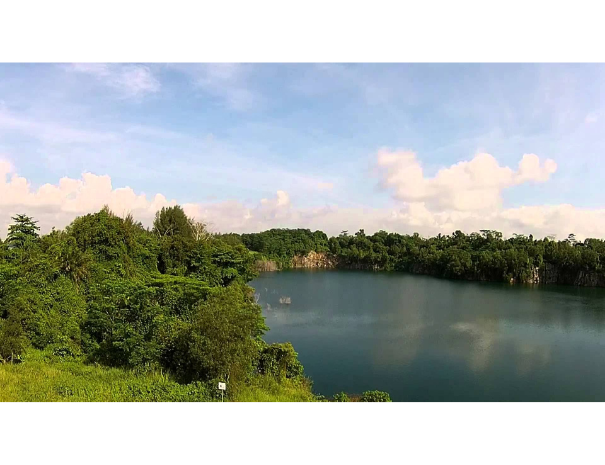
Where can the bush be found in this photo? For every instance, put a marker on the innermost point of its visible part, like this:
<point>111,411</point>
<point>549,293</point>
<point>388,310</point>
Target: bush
<point>63,351</point>
<point>280,361</point>
<point>220,338</point>
<point>375,396</point>
<point>13,339</point>
<point>341,397</point>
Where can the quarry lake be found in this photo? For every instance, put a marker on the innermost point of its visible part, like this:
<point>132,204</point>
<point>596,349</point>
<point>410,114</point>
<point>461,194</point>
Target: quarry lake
<point>426,339</point>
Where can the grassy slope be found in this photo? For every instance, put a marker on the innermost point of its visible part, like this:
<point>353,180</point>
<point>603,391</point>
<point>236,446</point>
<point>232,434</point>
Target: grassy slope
<point>47,379</point>
<point>267,389</point>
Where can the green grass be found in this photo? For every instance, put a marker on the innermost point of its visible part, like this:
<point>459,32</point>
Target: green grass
<point>267,389</point>
<point>45,378</point>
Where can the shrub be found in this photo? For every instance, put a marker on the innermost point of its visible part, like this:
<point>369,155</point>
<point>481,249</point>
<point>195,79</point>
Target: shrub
<point>219,340</point>
<point>342,397</point>
<point>13,339</point>
<point>375,396</point>
<point>280,361</point>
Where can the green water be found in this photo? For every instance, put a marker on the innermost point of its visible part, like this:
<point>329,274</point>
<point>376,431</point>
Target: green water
<point>426,339</point>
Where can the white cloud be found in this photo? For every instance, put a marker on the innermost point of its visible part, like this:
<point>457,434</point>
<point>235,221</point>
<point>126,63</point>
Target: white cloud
<point>466,186</point>
<point>130,80</point>
<point>58,204</point>
<point>591,118</point>
<point>539,220</point>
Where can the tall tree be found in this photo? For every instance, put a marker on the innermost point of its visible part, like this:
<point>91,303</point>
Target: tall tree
<point>172,221</point>
<point>24,229</point>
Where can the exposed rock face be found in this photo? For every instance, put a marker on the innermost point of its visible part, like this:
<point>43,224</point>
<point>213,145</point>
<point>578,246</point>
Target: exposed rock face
<point>590,279</point>
<point>314,260</point>
<point>266,265</point>
<point>547,274</point>
<point>550,274</point>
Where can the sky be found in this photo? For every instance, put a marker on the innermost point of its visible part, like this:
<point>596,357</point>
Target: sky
<point>427,148</point>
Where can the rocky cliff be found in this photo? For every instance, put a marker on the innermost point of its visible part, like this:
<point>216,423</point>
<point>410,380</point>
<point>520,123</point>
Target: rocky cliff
<point>311,260</point>
<point>314,260</point>
<point>550,274</point>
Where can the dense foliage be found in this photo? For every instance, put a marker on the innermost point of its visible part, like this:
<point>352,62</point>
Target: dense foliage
<point>281,245</point>
<point>478,256</point>
<point>106,290</point>
<point>375,396</point>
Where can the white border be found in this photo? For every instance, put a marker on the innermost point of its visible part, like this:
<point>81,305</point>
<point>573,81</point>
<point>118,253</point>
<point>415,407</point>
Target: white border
<point>310,31</point>
<point>300,433</point>
<point>176,31</point>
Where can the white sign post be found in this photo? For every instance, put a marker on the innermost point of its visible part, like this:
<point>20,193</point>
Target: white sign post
<point>222,387</point>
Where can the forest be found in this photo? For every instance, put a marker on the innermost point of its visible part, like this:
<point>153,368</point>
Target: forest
<point>109,310</point>
<point>483,255</point>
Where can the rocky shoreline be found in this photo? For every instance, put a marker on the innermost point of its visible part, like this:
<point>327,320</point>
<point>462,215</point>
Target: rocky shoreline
<point>545,274</point>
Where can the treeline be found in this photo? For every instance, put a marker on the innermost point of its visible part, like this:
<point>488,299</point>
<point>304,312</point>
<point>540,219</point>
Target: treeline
<point>485,255</point>
<point>172,298</point>
<point>281,245</point>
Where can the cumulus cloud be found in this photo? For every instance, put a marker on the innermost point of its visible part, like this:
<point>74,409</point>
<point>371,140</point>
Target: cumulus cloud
<point>466,186</point>
<point>131,80</point>
<point>59,203</point>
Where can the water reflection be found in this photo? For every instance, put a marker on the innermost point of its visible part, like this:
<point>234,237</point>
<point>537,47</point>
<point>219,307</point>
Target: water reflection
<point>532,357</point>
<point>422,338</point>
<point>481,339</point>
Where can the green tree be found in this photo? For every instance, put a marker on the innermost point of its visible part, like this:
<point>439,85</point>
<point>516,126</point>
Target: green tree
<point>13,339</point>
<point>280,361</point>
<point>24,230</point>
<point>220,340</point>
<point>172,221</point>
<point>71,260</point>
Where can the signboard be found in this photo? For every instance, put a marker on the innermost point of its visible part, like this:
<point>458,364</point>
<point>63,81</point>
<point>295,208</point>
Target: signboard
<point>222,386</point>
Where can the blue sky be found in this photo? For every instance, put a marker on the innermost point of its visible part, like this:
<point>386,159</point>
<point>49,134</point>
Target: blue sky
<point>215,133</point>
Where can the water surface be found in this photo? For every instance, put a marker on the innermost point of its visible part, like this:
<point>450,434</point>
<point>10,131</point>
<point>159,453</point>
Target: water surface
<point>427,339</point>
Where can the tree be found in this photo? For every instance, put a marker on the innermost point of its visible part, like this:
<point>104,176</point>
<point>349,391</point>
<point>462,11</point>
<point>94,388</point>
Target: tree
<point>70,258</point>
<point>24,230</point>
<point>200,231</point>
<point>13,339</point>
<point>220,339</point>
<point>172,221</point>
<point>280,361</point>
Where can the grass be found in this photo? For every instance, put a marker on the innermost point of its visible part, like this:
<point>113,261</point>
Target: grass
<point>267,389</point>
<point>45,378</point>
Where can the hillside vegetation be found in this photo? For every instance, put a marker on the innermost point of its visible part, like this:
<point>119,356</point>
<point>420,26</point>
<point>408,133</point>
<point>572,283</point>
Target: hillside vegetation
<point>109,310</point>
